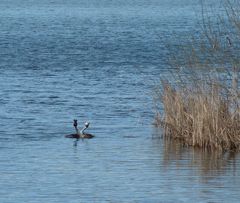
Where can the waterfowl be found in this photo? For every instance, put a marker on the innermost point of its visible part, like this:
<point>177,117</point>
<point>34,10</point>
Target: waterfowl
<point>81,133</point>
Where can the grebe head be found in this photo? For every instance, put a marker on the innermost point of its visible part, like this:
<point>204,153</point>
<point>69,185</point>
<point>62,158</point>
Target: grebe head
<point>87,124</point>
<point>75,123</point>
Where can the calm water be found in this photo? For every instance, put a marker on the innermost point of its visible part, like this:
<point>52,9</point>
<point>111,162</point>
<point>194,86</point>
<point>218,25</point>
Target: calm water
<point>97,61</point>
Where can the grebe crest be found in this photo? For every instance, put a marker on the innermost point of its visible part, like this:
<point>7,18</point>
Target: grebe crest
<point>75,123</point>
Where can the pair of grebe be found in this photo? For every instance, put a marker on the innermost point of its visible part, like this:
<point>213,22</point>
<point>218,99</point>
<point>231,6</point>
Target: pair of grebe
<point>80,133</point>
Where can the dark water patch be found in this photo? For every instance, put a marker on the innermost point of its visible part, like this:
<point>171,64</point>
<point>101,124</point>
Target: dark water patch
<point>2,139</point>
<point>129,136</point>
<point>53,97</point>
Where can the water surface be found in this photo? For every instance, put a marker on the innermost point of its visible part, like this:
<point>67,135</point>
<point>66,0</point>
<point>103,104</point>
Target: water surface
<point>96,61</point>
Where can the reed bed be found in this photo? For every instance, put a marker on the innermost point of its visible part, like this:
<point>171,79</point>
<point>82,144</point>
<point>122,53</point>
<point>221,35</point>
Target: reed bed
<point>205,115</point>
<point>203,109</point>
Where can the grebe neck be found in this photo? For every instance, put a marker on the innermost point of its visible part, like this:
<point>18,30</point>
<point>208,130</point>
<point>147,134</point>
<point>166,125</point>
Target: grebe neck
<point>82,131</point>
<point>77,130</point>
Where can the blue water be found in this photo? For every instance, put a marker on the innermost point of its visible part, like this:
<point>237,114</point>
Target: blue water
<point>96,61</point>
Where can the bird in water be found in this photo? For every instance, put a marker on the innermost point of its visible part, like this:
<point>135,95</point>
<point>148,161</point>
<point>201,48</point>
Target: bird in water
<point>80,133</point>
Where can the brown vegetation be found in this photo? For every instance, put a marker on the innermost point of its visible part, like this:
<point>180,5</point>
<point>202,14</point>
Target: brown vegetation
<point>204,115</point>
<point>203,109</point>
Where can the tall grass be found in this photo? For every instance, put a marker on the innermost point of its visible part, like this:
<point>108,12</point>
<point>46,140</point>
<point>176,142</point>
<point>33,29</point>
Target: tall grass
<point>203,115</point>
<point>205,111</point>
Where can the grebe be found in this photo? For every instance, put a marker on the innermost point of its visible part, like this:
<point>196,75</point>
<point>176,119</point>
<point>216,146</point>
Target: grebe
<point>80,134</point>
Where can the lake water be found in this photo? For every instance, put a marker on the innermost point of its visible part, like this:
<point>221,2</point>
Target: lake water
<point>96,61</point>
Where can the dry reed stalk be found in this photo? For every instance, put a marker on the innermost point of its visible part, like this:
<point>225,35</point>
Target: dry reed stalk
<point>204,115</point>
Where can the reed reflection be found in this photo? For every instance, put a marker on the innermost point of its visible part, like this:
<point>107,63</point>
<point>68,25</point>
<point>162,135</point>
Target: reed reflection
<point>205,163</point>
<point>208,164</point>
